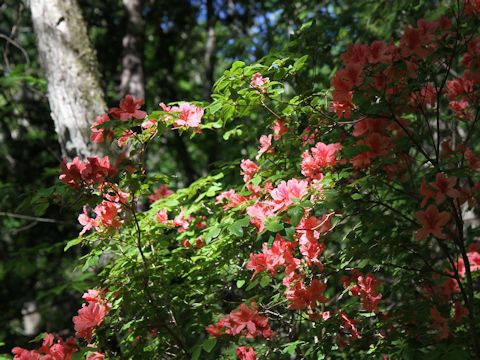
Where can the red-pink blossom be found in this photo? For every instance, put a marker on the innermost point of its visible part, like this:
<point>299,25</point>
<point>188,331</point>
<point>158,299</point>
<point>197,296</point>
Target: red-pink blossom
<point>89,317</point>
<point>258,81</point>
<point>99,135</point>
<point>245,353</point>
<point>302,297</point>
<point>129,109</point>
<point>319,157</point>
<point>159,193</point>
<point>432,222</point>
<point>279,129</point>
<point>265,145</point>
<point>249,169</point>
<point>245,321</point>
<point>285,192</point>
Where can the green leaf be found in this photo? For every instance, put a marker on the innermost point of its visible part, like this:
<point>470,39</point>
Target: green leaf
<point>273,225</point>
<point>236,229</point>
<point>73,243</point>
<point>209,344</point>
<point>240,283</point>
<point>296,213</point>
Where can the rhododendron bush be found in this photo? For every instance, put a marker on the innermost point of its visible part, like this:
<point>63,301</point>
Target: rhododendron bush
<point>352,232</point>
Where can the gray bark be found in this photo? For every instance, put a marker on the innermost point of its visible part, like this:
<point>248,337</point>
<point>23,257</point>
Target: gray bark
<point>69,62</point>
<point>132,80</point>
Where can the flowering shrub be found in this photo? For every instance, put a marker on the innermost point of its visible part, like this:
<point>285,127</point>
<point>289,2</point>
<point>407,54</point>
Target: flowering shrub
<point>351,235</point>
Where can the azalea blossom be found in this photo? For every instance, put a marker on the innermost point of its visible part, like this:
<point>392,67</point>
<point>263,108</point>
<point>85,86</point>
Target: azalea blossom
<point>245,353</point>
<point>129,109</point>
<point>265,145</point>
<point>258,81</point>
<point>89,317</point>
<point>432,222</point>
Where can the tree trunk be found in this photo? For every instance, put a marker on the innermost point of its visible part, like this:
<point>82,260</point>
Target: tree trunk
<point>132,81</point>
<point>71,70</point>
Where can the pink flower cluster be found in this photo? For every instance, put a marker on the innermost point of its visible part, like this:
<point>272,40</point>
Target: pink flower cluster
<point>107,213</point>
<point>245,321</point>
<point>366,287</point>
<point>91,315</point>
<point>50,350</point>
<point>94,170</point>
<point>159,193</point>
<point>319,157</point>
<point>258,81</point>
<point>245,353</point>
<point>189,115</point>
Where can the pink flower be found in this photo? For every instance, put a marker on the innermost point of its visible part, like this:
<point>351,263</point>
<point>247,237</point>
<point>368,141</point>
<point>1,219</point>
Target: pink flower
<point>85,220</point>
<point>129,109</point>
<point>100,135</point>
<point>159,193</point>
<point>260,211</point>
<point>445,187</point>
<point>190,115</point>
<point>265,144</point>
<point>245,321</point>
<point>258,81</point>
<point>89,317</point>
<point>60,350</point>
<point>233,199</point>
<point>246,354</point>
<point>432,221</point>
<point>96,356</point>
<point>318,158</point>
<point>280,254</point>
<point>285,192</point>
<point>249,168</point>
<point>279,129</point>
<point>302,297</point>
<point>162,217</point>
<point>349,325</point>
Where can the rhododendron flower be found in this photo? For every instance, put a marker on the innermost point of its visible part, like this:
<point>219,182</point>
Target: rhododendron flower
<point>100,135</point>
<point>233,199</point>
<point>460,312</point>
<point>302,297</point>
<point>432,221</point>
<point>445,187</point>
<point>89,317</point>
<point>85,220</point>
<point>318,158</point>
<point>249,169</point>
<point>265,145</point>
<point>280,254</point>
<point>258,81</point>
<point>159,193</point>
<point>181,221</point>
<point>285,192</point>
<point>367,289</point>
<point>260,211</point>
<point>246,354</point>
<point>60,350</point>
<point>96,356</point>
<point>473,255</point>
<point>473,160</point>
<point>245,321</point>
<point>190,115</point>
<point>126,135</point>
<point>94,170</point>
<point>129,109</point>
<point>279,129</point>
<point>369,125</point>
<point>426,193</point>
<point>349,325</point>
